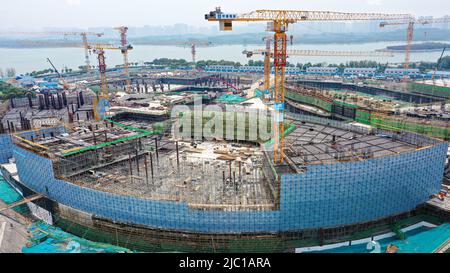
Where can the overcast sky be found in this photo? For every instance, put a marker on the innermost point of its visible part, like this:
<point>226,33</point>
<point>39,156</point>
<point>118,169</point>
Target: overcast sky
<point>96,13</point>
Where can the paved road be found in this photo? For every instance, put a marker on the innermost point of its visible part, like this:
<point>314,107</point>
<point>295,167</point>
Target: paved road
<point>13,231</point>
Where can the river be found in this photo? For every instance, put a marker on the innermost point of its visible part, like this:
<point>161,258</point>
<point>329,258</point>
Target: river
<point>29,59</point>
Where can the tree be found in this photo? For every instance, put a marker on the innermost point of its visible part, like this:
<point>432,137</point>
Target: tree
<point>445,63</point>
<point>10,72</point>
<point>41,72</point>
<point>305,66</point>
<point>8,91</point>
<point>1,73</point>
<point>255,63</point>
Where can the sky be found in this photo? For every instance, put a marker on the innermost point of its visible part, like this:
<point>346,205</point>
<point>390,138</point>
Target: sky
<point>35,14</point>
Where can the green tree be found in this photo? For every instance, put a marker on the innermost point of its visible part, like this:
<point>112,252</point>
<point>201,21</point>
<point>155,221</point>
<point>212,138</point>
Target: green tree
<point>445,63</point>
<point>11,72</point>
<point>8,91</point>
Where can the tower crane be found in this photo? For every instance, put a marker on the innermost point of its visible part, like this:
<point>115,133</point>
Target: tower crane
<point>267,53</point>
<point>327,53</point>
<point>102,100</point>
<point>278,22</point>
<point>85,44</point>
<point>83,35</point>
<point>410,34</point>
<point>125,48</point>
<point>193,46</point>
<point>267,57</point>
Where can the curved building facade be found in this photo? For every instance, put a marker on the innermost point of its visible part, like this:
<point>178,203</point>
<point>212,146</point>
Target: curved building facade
<point>323,196</point>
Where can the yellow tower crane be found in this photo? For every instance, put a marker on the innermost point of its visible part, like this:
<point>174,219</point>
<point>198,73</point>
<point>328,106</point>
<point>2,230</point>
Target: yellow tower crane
<point>83,35</point>
<point>267,53</point>
<point>101,103</point>
<point>410,35</point>
<point>278,22</point>
<point>267,57</point>
<point>85,44</point>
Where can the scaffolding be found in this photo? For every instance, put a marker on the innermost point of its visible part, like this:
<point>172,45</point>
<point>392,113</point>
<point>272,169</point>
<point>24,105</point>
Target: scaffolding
<point>377,118</point>
<point>205,176</point>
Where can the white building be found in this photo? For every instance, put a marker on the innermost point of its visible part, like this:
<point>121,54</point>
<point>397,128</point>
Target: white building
<point>293,70</point>
<point>248,69</point>
<point>360,71</point>
<point>221,68</point>
<point>439,74</point>
<point>401,72</point>
<point>251,69</point>
<point>322,70</point>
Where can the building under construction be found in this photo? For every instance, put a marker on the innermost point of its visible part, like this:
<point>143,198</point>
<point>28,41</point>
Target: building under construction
<point>132,183</point>
<point>427,114</point>
<point>123,176</point>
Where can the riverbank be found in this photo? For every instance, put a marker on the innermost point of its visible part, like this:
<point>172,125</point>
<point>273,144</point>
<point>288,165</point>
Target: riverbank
<point>28,60</point>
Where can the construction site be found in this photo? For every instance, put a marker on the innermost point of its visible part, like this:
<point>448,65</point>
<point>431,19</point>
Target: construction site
<point>262,161</point>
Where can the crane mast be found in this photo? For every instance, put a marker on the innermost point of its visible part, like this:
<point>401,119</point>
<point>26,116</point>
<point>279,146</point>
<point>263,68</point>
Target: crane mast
<point>193,46</point>
<point>410,35</point>
<point>102,69</point>
<point>268,54</point>
<point>125,47</point>
<point>86,53</point>
<point>104,82</point>
<point>102,101</point>
<point>409,39</point>
<point>278,22</point>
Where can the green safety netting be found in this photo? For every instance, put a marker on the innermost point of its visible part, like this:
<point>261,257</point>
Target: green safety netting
<point>396,124</point>
<point>375,120</point>
<point>419,240</point>
<point>230,99</point>
<point>427,89</point>
<point>9,195</point>
<point>290,128</point>
<point>50,239</point>
<point>309,100</point>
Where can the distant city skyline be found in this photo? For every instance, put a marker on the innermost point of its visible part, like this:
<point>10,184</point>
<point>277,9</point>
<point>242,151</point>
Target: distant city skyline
<point>84,14</point>
<point>212,30</point>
